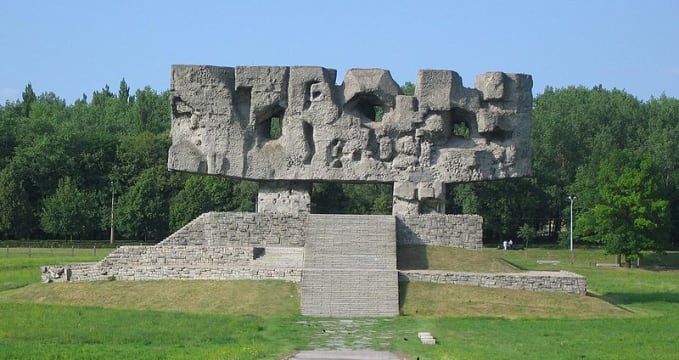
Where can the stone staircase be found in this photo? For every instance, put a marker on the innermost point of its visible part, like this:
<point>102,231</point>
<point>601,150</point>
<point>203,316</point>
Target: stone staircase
<point>350,266</point>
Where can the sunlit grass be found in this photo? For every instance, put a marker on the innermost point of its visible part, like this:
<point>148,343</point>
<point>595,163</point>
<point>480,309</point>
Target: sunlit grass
<point>631,313</point>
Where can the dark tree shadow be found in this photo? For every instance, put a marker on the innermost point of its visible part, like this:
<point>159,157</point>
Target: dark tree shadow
<point>412,257</point>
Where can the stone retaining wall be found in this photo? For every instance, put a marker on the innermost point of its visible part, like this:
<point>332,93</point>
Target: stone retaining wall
<point>553,281</point>
<point>141,263</point>
<point>271,230</point>
<point>459,231</point>
<point>242,229</point>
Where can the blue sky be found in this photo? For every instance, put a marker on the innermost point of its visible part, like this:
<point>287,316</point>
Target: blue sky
<point>76,47</point>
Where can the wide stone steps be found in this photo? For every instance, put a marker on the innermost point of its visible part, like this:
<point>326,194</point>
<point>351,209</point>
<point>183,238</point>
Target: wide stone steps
<point>350,266</point>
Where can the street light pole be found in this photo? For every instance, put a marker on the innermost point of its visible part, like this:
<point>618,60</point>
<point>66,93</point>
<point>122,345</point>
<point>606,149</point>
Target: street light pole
<point>113,196</point>
<point>571,198</point>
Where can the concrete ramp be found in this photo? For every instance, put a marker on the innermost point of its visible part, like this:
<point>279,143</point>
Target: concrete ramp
<point>350,266</point>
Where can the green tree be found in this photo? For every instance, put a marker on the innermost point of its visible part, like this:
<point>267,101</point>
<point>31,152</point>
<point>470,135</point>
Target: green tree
<point>526,233</point>
<point>202,194</point>
<point>16,217</point>
<point>123,91</point>
<point>631,214</point>
<point>408,88</point>
<point>136,153</point>
<point>143,211</point>
<point>69,211</point>
<point>28,97</point>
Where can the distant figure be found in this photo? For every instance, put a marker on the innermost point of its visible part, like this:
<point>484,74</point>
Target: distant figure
<point>511,244</point>
<point>504,245</point>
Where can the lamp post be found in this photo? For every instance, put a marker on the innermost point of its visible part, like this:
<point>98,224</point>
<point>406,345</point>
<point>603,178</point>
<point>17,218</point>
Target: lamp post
<point>113,196</point>
<point>571,198</point>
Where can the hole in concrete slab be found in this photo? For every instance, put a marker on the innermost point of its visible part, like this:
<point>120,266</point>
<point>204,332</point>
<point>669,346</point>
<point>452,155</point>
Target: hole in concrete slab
<point>243,102</point>
<point>275,126</point>
<point>460,121</point>
<point>310,95</point>
<point>308,131</point>
<point>258,252</point>
<point>271,125</point>
<point>366,105</point>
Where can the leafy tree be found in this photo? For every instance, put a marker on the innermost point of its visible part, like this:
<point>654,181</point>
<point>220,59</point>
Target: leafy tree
<point>136,153</point>
<point>69,211</point>
<point>143,211</point>
<point>123,91</point>
<point>526,233</point>
<point>202,194</point>
<point>151,111</point>
<point>245,195</point>
<point>408,88</point>
<point>16,217</point>
<point>631,213</point>
<point>29,98</point>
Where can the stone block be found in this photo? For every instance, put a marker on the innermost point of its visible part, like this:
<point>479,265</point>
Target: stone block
<point>491,85</point>
<point>435,89</point>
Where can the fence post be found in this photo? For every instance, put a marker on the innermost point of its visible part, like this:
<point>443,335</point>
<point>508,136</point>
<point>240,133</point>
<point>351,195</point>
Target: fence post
<point>29,249</point>
<point>72,250</point>
<point>95,250</point>
<point>7,250</point>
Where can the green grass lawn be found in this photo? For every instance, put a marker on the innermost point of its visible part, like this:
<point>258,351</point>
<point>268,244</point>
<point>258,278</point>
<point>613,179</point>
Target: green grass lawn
<point>631,313</point>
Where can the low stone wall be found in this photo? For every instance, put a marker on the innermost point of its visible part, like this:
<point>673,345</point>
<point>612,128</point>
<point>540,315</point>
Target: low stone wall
<point>561,281</point>
<point>178,263</point>
<point>459,231</point>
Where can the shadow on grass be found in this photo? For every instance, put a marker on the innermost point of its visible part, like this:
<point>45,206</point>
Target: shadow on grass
<point>664,261</point>
<point>402,293</point>
<point>636,298</point>
<point>412,257</point>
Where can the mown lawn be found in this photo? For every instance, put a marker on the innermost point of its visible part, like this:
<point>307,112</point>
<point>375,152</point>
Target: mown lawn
<point>631,313</point>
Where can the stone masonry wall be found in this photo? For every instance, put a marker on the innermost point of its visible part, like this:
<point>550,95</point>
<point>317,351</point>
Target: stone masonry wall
<point>561,281</point>
<point>242,229</point>
<point>271,230</point>
<point>459,231</point>
<point>141,263</point>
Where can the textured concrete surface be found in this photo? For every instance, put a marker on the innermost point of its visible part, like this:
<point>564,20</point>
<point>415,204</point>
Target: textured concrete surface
<point>222,116</point>
<point>287,127</point>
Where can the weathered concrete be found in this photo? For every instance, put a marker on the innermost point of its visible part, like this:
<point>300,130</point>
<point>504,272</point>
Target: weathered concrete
<point>222,120</point>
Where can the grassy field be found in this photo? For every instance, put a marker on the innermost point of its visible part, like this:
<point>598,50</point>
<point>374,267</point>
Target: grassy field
<point>631,313</point>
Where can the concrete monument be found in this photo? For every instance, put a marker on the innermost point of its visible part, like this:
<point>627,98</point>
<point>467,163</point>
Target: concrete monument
<point>363,130</point>
<point>288,127</point>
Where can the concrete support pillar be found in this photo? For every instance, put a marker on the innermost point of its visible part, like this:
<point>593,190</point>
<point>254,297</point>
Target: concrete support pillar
<point>284,197</point>
<point>412,198</point>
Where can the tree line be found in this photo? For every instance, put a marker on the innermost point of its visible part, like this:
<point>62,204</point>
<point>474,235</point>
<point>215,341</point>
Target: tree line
<point>75,171</point>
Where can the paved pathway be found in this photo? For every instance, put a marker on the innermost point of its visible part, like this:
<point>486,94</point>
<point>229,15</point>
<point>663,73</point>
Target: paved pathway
<point>345,355</point>
<point>348,339</point>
